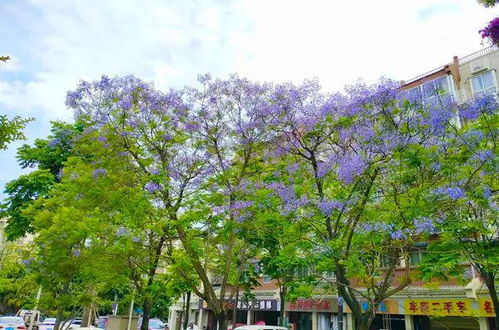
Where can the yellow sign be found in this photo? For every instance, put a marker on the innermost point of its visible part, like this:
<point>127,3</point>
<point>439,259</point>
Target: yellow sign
<point>439,307</point>
<point>486,307</point>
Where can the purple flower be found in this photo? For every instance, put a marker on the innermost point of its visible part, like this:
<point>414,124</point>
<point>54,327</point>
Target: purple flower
<point>27,262</point>
<point>491,31</point>
<point>293,168</point>
<point>152,187</point>
<point>135,239</point>
<point>487,193</point>
<point>77,253</point>
<point>350,166</point>
<point>454,192</point>
<point>435,166</point>
<point>424,225</point>
<point>397,234</point>
<point>101,139</point>
<point>122,231</point>
<point>54,142</point>
<point>240,205</point>
<point>484,155</point>
<point>327,207</point>
<point>99,172</point>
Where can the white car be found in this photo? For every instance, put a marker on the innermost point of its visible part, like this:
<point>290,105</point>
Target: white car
<point>71,324</point>
<point>47,324</point>
<point>12,323</point>
<point>261,327</point>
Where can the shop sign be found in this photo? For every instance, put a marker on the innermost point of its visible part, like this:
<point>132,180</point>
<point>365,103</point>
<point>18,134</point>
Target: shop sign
<point>438,307</point>
<point>486,307</point>
<point>312,305</point>
<point>257,305</point>
<point>387,306</point>
<point>381,307</point>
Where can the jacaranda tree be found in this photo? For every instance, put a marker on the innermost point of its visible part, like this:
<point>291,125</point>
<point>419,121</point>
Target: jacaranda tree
<point>360,168</point>
<point>467,214</point>
<point>194,148</point>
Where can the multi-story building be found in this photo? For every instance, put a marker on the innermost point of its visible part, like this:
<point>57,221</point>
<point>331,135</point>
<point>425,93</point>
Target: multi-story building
<point>417,307</point>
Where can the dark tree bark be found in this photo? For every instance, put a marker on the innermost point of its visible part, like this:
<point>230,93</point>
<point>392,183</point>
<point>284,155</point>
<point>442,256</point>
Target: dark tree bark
<point>282,295</point>
<point>187,309</point>
<point>489,280</point>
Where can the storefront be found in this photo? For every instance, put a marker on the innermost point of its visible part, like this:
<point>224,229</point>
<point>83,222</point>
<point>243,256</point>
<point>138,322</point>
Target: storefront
<point>446,313</point>
<point>312,314</point>
<point>259,311</point>
<point>247,312</point>
<point>388,316</point>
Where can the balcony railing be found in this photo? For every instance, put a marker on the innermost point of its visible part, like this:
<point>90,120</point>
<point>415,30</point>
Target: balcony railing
<point>462,60</point>
<point>477,54</point>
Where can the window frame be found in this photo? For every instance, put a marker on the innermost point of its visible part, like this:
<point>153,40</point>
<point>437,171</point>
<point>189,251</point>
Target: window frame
<point>480,75</point>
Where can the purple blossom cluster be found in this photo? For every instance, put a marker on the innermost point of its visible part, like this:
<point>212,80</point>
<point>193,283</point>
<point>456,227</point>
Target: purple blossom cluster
<point>491,31</point>
<point>350,167</point>
<point>424,225</point>
<point>99,172</point>
<point>152,187</point>
<point>122,231</point>
<point>453,192</point>
<point>471,110</point>
<point>327,207</point>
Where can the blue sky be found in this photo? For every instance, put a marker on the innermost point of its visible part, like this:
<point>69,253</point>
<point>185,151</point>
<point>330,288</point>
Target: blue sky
<point>55,43</point>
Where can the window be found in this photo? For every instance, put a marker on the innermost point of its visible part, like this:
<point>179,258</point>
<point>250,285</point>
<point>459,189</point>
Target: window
<point>415,257</point>
<point>388,262</point>
<point>484,83</point>
<point>431,90</point>
<point>436,87</point>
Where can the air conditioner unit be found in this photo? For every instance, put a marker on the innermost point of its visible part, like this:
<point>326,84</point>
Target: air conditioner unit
<point>478,67</point>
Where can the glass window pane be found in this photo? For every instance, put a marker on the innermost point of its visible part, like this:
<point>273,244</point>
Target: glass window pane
<point>488,79</point>
<point>442,85</point>
<point>477,84</point>
<point>429,90</point>
<point>491,90</point>
<point>415,257</point>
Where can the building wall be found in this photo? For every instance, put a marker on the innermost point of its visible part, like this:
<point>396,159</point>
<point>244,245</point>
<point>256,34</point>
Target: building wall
<point>489,61</point>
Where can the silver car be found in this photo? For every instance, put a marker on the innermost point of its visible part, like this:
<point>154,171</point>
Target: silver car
<point>12,323</point>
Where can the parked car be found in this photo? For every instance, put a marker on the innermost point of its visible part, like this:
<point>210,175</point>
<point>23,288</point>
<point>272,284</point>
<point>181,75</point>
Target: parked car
<point>261,327</point>
<point>156,324</point>
<point>47,324</point>
<point>12,323</point>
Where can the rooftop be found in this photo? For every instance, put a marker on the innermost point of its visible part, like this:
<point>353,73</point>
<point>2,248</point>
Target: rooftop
<point>462,60</point>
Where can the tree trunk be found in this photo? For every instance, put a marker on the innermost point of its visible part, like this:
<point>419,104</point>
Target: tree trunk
<point>234,310</point>
<point>87,316</point>
<point>282,296</point>
<point>221,321</point>
<point>187,309</point>
<point>491,286</point>
<point>146,313</point>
